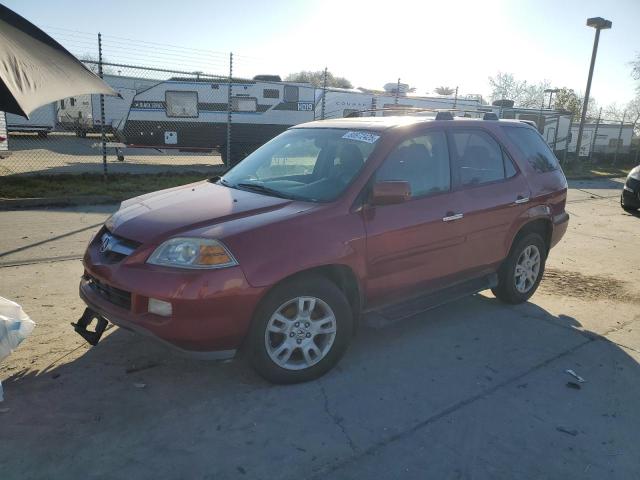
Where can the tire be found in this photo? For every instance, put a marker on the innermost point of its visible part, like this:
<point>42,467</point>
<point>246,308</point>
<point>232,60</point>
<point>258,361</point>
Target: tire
<point>626,208</point>
<point>508,289</point>
<point>294,336</point>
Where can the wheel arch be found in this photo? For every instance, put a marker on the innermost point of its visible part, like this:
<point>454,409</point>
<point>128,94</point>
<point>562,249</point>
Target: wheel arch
<point>341,275</point>
<point>542,226</point>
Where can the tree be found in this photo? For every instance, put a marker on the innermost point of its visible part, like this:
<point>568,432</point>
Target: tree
<point>567,99</point>
<point>504,86</point>
<point>445,91</point>
<point>635,67</point>
<point>93,64</point>
<point>317,79</point>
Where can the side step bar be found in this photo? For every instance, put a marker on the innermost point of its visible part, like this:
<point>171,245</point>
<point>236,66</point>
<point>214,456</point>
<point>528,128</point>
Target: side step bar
<point>393,313</point>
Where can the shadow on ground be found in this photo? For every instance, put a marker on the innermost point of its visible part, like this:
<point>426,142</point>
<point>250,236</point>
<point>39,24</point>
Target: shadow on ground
<point>471,390</point>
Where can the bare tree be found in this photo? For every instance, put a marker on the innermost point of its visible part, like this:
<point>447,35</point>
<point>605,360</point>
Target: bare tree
<point>91,62</point>
<point>317,79</point>
<point>504,86</point>
<point>444,90</point>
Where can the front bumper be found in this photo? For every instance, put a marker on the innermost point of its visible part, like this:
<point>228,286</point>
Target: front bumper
<point>211,310</point>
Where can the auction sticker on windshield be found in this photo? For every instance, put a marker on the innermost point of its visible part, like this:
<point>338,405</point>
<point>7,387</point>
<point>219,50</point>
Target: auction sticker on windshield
<point>361,136</point>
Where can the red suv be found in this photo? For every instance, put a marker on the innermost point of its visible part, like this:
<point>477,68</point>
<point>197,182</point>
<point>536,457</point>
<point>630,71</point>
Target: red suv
<point>325,224</point>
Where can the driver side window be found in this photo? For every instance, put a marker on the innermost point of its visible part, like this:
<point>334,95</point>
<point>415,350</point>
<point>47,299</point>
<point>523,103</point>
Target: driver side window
<point>423,161</point>
<point>295,158</point>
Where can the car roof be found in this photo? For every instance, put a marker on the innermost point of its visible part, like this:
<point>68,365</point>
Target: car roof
<point>384,123</point>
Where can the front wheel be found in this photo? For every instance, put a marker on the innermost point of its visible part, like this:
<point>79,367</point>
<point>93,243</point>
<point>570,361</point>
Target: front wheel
<point>521,272</point>
<point>300,331</point>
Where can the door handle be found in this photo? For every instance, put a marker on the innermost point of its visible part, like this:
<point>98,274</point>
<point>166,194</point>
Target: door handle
<point>452,217</point>
<point>521,199</point>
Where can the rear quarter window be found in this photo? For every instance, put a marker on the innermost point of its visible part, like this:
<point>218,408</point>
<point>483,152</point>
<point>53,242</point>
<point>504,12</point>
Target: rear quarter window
<point>534,148</point>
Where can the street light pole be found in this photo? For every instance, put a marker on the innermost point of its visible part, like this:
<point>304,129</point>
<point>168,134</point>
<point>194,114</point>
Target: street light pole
<point>598,23</point>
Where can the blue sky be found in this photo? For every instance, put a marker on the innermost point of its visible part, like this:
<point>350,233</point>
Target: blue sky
<point>427,44</point>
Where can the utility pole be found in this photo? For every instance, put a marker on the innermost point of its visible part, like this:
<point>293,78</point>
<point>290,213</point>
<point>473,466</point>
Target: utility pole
<point>598,23</point>
<point>615,156</point>
<point>455,99</point>
<point>103,135</point>
<point>397,91</point>
<point>324,92</point>
<point>229,107</point>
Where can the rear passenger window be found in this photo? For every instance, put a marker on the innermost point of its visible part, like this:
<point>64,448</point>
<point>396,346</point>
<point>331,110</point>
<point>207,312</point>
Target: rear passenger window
<point>423,161</point>
<point>480,158</point>
<point>534,148</point>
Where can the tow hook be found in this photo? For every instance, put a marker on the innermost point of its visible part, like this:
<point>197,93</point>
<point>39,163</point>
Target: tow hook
<point>85,320</point>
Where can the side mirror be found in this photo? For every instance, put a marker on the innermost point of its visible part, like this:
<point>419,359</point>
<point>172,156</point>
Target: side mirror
<point>390,192</point>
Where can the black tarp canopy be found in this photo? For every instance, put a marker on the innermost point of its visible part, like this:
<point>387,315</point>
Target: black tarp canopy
<point>36,70</point>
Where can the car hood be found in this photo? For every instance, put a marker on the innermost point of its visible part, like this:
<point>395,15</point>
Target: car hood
<point>158,215</point>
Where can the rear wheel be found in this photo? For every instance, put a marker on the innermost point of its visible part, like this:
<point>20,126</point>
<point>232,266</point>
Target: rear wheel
<point>300,331</point>
<point>521,273</point>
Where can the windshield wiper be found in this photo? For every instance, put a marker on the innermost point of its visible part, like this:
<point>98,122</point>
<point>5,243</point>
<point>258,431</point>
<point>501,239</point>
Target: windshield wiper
<point>262,189</point>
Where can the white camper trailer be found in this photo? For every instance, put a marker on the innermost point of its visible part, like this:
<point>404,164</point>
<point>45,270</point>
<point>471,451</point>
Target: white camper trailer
<point>606,138</point>
<point>191,114</point>
<point>344,102</point>
<point>82,113</point>
<point>41,121</point>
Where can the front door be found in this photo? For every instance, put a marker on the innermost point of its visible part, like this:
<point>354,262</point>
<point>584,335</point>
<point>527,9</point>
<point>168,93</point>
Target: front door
<point>413,246</point>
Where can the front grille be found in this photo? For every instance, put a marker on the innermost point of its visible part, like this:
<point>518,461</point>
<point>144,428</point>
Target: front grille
<point>118,297</point>
<point>114,248</point>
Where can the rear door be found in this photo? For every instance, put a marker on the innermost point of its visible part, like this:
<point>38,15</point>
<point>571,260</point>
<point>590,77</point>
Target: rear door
<point>493,194</point>
<point>415,245</point>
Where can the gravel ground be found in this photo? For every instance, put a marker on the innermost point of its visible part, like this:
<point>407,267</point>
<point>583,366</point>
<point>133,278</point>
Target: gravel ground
<point>474,389</point>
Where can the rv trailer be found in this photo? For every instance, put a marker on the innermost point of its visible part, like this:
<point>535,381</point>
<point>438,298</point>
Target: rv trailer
<point>82,113</point>
<point>41,121</point>
<point>191,114</point>
<point>606,140</point>
<point>347,102</point>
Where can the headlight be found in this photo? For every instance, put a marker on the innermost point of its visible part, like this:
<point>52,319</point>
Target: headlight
<point>635,173</point>
<point>192,253</point>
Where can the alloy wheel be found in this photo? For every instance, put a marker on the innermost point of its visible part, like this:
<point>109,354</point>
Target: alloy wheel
<point>300,333</point>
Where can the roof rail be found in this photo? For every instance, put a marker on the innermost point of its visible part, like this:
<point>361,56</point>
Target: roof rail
<point>441,113</point>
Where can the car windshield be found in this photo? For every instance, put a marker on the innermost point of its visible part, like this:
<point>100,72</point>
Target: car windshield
<point>310,164</point>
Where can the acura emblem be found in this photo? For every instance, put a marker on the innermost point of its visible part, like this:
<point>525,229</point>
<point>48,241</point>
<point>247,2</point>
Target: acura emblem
<point>106,243</point>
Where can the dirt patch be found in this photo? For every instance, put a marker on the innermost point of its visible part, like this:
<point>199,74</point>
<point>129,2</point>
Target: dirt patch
<point>574,284</point>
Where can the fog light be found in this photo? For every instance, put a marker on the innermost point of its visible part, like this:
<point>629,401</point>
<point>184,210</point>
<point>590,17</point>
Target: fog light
<point>159,307</point>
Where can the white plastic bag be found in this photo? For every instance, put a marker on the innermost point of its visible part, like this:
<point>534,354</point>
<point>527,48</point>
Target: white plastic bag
<point>15,326</point>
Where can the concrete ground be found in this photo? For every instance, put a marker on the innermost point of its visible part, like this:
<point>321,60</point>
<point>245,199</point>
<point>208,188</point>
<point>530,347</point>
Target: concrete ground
<point>63,152</point>
<point>475,389</point>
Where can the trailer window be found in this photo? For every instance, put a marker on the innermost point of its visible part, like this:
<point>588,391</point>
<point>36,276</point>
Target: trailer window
<point>244,104</point>
<point>72,101</point>
<point>181,104</point>
<point>62,104</point>
<point>271,93</point>
<point>291,93</point>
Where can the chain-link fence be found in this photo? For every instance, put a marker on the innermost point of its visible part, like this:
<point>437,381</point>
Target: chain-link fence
<point>189,110</point>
